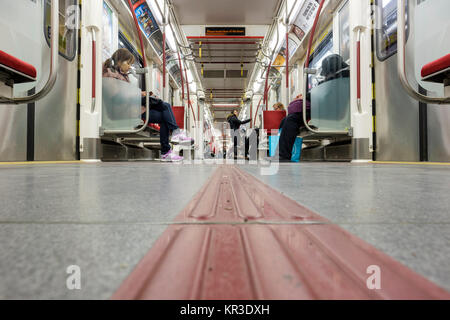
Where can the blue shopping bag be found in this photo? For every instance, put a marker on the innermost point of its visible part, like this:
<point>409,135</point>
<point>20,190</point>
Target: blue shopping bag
<point>296,149</point>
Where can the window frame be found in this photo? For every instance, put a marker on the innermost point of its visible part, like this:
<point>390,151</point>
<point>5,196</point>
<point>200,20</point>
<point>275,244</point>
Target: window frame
<point>75,40</point>
<point>329,38</point>
<point>338,49</point>
<point>378,36</point>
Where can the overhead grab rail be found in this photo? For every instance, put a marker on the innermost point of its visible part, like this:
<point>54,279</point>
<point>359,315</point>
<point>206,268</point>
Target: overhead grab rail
<point>145,70</point>
<point>401,60</point>
<point>307,71</point>
<point>54,49</point>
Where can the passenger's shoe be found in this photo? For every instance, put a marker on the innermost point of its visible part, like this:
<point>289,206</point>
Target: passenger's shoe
<point>171,157</point>
<point>180,137</point>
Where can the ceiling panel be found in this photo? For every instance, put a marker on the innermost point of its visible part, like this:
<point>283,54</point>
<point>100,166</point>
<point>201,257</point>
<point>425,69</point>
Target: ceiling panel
<point>222,55</point>
<point>221,60</point>
<point>225,12</point>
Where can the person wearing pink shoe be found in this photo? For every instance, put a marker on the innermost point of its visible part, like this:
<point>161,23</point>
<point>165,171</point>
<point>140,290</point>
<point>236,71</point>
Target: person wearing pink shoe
<point>170,157</point>
<point>118,67</point>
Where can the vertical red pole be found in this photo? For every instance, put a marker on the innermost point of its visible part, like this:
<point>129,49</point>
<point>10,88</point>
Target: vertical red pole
<point>251,113</point>
<point>358,63</point>
<point>313,31</point>
<point>265,97</point>
<point>141,42</point>
<point>257,109</point>
<point>181,73</point>
<point>287,65</point>
<point>164,62</point>
<point>94,68</point>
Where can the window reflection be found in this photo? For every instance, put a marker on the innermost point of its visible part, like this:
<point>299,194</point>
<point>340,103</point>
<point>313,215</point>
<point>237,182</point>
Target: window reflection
<point>387,29</point>
<point>324,50</point>
<point>67,27</point>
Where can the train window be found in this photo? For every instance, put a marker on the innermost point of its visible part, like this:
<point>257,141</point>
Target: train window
<point>138,63</point>
<point>170,95</point>
<point>67,27</point>
<point>108,32</point>
<point>387,28</point>
<point>344,32</point>
<point>324,49</point>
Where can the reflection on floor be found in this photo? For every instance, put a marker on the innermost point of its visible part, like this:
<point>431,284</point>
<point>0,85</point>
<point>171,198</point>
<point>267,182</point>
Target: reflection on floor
<point>402,210</point>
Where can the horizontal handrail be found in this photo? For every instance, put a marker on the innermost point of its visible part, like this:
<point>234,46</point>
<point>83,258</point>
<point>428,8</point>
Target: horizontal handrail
<point>54,49</point>
<point>401,60</point>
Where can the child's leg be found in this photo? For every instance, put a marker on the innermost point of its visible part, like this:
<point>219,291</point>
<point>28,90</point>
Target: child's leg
<point>156,117</point>
<point>167,114</point>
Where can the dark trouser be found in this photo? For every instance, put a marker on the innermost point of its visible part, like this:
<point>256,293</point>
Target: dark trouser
<point>282,123</point>
<point>251,144</point>
<point>290,130</point>
<point>236,142</point>
<point>162,114</point>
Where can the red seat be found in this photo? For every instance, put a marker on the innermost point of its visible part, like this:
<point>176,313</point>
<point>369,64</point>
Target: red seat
<point>16,70</point>
<point>272,120</point>
<point>154,126</point>
<point>438,70</point>
<point>178,112</point>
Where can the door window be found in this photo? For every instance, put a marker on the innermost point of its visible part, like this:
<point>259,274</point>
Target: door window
<point>387,28</point>
<point>68,26</point>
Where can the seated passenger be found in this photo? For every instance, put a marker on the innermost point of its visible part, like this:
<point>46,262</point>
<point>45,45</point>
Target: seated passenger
<point>334,67</point>
<point>118,67</point>
<point>290,129</point>
<point>278,107</point>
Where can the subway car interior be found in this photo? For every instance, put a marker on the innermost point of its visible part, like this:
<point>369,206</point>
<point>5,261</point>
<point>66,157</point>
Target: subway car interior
<point>225,150</point>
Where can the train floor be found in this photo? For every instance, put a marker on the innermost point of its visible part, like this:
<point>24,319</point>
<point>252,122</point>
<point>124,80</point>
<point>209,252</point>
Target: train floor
<point>106,217</point>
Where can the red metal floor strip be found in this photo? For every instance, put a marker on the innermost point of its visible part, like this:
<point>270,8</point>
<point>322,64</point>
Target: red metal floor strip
<point>236,258</point>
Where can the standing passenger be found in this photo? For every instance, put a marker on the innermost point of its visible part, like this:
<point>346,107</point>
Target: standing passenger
<point>235,123</point>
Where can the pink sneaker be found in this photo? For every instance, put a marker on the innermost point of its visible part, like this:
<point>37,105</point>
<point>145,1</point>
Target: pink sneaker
<point>171,157</point>
<point>181,137</point>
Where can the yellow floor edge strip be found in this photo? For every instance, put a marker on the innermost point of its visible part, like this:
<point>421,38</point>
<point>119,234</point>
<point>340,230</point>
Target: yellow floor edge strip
<point>40,162</point>
<point>412,163</point>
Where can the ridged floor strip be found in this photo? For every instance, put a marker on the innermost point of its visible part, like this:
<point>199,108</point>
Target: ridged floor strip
<point>296,254</point>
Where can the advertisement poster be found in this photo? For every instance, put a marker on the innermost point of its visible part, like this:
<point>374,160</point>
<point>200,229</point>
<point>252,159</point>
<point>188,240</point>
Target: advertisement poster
<point>305,18</point>
<point>281,58</point>
<point>146,20</point>
<point>107,32</point>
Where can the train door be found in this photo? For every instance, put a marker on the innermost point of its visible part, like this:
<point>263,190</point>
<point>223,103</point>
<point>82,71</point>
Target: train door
<point>46,129</point>
<point>56,114</point>
<point>432,41</point>
<point>397,114</point>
